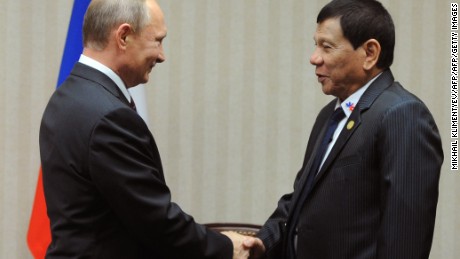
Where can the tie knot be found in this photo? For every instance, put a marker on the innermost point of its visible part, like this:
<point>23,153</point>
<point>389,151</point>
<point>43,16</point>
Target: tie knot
<point>338,115</point>
<point>132,104</point>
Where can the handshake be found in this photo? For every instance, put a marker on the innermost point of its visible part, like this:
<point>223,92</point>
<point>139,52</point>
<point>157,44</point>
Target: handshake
<point>245,246</point>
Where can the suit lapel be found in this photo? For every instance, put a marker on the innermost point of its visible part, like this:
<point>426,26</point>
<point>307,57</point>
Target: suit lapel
<point>345,134</point>
<point>355,119</point>
<point>309,164</point>
<point>94,75</point>
<point>306,169</point>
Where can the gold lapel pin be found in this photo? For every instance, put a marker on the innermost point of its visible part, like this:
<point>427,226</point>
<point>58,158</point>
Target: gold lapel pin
<point>350,125</point>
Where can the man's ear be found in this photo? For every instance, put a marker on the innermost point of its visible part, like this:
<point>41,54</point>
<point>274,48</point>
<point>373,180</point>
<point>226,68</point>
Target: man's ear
<point>122,35</point>
<point>372,49</point>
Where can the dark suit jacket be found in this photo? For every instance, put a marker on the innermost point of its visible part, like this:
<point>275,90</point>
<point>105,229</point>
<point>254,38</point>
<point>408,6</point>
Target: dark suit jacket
<point>103,180</point>
<point>376,194</point>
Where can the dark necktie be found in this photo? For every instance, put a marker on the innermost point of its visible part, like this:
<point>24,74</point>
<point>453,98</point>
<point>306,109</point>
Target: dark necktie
<point>333,122</point>
<point>132,104</point>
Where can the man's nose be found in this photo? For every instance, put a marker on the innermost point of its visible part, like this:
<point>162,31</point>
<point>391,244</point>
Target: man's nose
<point>161,57</point>
<point>316,58</point>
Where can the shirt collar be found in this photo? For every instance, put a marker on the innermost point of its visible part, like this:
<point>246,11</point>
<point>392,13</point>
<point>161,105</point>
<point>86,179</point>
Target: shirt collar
<point>108,72</point>
<point>348,105</point>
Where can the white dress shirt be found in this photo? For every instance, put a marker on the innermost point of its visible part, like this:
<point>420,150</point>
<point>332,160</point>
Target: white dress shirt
<point>108,72</point>
<point>347,105</point>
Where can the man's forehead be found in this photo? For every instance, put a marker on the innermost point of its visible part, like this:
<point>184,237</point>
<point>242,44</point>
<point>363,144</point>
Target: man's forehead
<point>329,28</point>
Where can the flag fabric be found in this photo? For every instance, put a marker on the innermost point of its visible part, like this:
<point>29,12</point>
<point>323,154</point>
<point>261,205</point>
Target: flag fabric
<point>39,233</point>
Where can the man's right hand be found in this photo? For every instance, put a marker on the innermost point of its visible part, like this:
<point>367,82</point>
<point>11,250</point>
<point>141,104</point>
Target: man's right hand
<point>239,250</point>
<point>256,245</point>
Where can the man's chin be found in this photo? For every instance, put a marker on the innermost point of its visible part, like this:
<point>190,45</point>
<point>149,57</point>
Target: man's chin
<point>145,79</point>
<point>326,89</point>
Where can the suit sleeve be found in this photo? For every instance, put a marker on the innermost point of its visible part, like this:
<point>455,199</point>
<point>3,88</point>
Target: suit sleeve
<point>126,168</point>
<point>411,157</point>
<point>272,233</point>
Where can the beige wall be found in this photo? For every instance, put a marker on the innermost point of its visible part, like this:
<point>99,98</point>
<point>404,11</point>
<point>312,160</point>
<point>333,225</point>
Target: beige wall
<point>231,109</point>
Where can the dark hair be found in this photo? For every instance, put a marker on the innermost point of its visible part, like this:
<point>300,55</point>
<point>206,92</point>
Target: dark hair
<point>362,20</point>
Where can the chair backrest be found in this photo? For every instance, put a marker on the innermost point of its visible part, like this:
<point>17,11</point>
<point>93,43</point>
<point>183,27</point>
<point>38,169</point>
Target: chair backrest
<point>240,228</point>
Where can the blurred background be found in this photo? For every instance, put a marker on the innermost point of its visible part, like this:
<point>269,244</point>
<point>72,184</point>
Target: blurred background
<point>231,108</point>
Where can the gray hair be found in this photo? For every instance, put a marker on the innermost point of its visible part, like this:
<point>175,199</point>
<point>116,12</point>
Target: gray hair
<point>104,15</point>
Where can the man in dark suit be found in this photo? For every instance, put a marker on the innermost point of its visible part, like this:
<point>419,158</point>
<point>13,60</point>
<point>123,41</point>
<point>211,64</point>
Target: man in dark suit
<point>373,191</point>
<point>103,180</point>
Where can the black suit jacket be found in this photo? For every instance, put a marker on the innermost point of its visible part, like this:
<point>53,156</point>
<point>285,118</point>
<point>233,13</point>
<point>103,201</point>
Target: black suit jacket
<point>103,180</point>
<point>376,194</point>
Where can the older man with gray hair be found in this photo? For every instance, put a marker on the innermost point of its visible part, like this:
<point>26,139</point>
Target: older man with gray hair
<point>103,179</point>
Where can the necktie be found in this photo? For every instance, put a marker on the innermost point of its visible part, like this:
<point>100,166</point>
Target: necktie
<point>333,122</point>
<point>132,104</point>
